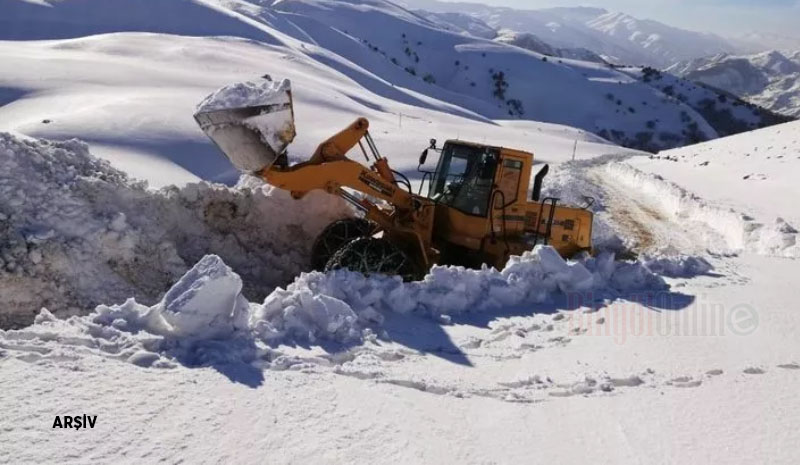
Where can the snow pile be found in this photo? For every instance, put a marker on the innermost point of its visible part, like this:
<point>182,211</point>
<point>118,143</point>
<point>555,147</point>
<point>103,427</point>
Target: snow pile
<point>740,232</point>
<point>205,305</point>
<point>681,266</point>
<point>75,233</point>
<point>247,94</point>
<point>337,305</point>
<point>204,318</point>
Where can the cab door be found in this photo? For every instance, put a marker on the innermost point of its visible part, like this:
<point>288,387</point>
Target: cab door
<point>507,218</point>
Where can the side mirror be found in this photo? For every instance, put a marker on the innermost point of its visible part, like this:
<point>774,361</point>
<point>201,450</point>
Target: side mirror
<point>433,144</point>
<point>423,158</point>
<point>537,183</point>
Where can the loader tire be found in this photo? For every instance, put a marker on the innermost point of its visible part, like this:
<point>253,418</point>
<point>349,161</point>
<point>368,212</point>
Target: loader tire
<point>337,235</point>
<point>372,256</point>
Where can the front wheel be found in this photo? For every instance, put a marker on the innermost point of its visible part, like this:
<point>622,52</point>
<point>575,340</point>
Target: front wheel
<point>337,235</point>
<point>369,256</point>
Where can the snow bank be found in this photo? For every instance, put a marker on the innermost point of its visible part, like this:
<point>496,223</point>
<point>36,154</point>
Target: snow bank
<point>204,306</point>
<point>677,267</point>
<point>205,319</point>
<point>75,232</point>
<point>740,232</point>
<point>339,305</point>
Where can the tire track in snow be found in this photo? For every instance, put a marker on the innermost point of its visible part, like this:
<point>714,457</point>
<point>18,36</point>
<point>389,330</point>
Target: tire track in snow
<point>684,220</point>
<point>646,227</point>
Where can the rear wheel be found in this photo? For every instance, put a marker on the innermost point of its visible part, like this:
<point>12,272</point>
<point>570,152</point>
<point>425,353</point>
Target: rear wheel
<point>337,235</point>
<point>369,255</point>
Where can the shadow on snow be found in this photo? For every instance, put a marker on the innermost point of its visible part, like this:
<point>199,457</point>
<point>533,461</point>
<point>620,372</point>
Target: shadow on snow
<point>238,358</point>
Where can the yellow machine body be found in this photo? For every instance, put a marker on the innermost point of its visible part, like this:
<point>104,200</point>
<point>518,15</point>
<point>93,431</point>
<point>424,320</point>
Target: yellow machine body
<point>468,220</point>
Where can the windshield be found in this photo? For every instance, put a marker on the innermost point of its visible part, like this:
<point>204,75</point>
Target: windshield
<point>464,178</point>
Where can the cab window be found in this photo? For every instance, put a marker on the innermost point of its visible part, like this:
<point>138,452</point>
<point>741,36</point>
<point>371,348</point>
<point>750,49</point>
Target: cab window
<point>464,178</point>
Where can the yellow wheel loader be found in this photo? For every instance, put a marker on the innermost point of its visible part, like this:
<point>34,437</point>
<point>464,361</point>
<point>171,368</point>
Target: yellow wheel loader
<point>475,208</point>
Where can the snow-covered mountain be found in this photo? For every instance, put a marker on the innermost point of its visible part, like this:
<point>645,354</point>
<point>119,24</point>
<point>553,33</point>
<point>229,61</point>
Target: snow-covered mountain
<point>617,37</point>
<point>460,22</point>
<point>471,25</point>
<point>399,55</point>
<point>531,42</point>
<point>513,83</point>
<point>760,41</point>
<point>769,79</point>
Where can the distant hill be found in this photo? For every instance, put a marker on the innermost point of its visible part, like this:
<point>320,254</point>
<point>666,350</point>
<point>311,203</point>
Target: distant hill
<point>769,79</point>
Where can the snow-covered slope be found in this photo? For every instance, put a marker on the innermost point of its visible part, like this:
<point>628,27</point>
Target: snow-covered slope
<point>661,43</point>
<point>531,42</point>
<point>390,58</point>
<point>131,96</point>
<point>769,79</point>
<point>459,22</point>
<point>618,37</point>
<point>727,113</point>
<point>494,80</point>
<point>758,170</point>
<point>65,19</point>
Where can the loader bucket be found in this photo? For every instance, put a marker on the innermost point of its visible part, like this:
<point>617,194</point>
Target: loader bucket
<point>251,123</point>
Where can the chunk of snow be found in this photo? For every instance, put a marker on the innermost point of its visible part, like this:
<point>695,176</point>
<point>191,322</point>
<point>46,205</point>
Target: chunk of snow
<point>247,94</point>
<point>205,302</point>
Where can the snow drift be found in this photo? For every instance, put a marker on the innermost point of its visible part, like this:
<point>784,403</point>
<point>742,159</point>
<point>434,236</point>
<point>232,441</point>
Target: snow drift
<point>76,233</point>
<point>336,305</point>
<point>205,319</point>
<point>739,231</point>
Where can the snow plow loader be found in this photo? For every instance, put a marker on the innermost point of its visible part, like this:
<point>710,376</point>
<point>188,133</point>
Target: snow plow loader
<point>473,209</point>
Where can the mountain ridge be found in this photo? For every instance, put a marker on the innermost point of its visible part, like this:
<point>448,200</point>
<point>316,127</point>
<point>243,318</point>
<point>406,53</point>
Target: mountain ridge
<point>770,79</point>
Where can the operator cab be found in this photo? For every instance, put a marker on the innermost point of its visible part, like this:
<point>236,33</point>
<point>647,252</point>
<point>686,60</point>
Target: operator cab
<point>465,176</point>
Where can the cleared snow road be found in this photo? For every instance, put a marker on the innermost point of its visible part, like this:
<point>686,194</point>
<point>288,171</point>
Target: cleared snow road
<point>641,220</point>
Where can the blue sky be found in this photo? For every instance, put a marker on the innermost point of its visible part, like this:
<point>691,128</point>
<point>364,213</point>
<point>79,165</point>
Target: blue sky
<point>727,17</point>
